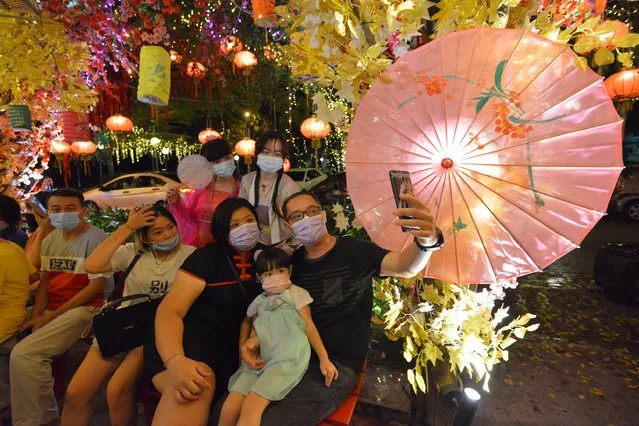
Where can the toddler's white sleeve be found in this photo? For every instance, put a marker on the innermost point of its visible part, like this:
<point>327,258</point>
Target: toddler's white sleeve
<point>299,296</point>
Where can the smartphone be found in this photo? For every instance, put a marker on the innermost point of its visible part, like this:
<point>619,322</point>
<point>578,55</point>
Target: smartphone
<point>401,184</point>
<point>37,207</point>
<point>24,333</point>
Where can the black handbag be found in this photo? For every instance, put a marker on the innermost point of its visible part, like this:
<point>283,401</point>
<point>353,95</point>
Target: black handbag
<point>120,330</point>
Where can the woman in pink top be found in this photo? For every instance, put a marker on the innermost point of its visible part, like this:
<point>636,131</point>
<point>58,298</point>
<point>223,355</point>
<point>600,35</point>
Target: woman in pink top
<point>194,210</point>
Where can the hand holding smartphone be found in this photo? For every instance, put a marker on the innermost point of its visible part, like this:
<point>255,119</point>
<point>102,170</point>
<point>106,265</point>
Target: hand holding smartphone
<point>401,184</point>
<point>37,207</point>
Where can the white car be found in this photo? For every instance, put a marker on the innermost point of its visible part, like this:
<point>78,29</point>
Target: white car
<point>307,178</point>
<point>128,191</point>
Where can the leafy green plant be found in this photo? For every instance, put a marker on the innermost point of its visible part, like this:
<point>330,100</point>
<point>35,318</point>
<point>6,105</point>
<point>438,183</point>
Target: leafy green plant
<point>108,219</point>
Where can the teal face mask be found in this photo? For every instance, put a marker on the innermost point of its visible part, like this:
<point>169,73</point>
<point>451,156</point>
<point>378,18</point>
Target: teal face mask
<point>167,245</point>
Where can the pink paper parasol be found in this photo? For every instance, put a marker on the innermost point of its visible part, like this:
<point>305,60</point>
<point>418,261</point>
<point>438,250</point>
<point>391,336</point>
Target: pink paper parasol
<point>514,150</point>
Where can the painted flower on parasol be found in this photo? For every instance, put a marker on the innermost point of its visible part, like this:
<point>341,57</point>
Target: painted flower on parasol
<point>514,150</point>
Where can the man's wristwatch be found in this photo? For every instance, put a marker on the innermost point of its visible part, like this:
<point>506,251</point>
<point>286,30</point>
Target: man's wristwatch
<point>436,246</point>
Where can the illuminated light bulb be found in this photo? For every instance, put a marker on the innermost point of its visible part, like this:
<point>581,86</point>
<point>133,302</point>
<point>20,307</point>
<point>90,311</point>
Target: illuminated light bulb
<point>165,151</point>
<point>155,141</point>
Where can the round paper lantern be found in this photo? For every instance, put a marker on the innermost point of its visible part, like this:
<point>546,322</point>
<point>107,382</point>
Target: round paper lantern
<point>264,13</point>
<point>245,61</point>
<point>20,118</point>
<point>231,45</point>
<point>60,147</point>
<point>83,148</point>
<point>73,129</point>
<point>154,84</point>
<point>624,84</point>
<point>119,123</point>
<point>245,147</point>
<point>287,165</point>
<point>195,70</point>
<point>315,129</point>
<point>176,58</point>
<point>619,30</point>
<point>208,135</point>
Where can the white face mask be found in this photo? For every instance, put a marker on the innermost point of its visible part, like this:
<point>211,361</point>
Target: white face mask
<point>269,164</point>
<point>275,284</point>
<point>224,169</point>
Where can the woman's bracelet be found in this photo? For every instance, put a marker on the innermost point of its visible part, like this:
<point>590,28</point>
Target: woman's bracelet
<point>170,358</point>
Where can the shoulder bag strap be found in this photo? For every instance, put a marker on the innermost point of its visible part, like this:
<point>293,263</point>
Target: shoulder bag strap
<point>120,284</point>
<point>239,280</point>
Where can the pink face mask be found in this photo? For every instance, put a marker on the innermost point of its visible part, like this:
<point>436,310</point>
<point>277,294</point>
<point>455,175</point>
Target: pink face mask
<point>275,284</point>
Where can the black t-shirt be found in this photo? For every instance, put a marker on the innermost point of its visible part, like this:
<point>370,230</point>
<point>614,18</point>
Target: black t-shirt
<point>219,310</point>
<point>341,287</point>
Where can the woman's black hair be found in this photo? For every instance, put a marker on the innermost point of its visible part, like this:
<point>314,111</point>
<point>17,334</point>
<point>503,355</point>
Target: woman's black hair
<point>259,147</point>
<point>141,235</point>
<point>215,149</point>
<point>221,226</point>
<point>272,258</point>
<point>10,210</point>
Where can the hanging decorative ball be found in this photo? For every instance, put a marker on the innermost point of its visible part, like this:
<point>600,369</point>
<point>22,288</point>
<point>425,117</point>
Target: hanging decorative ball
<point>73,129</point>
<point>624,84</point>
<point>287,165</point>
<point>119,123</point>
<point>195,70</point>
<point>154,84</point>
<point>264,13</point>
<point>231,45</point>
<point>176,58</point>
<point>245,61</point>
<point>208,135</point>
<point>20,118</point>
<point>60,147</point>
<point>315,129</point>
<point>83,148</point>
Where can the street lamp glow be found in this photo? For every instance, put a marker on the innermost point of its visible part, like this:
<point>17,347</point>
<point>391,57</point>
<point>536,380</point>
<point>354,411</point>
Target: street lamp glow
<point>165,151</point>
<point>236,157</point>
<point>247,114</point>
<point>155,140</point>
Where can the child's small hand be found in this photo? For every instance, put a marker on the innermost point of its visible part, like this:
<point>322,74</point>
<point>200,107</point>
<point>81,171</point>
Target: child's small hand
<point>328,371</point>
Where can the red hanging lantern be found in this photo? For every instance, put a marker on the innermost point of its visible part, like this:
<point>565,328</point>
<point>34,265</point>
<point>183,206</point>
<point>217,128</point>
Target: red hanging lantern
<point>73,129</point>
<point>624,84</point>
<point>246,148</point>
<point>176,58</point>
<point>231,45</point>
<point>83,148</point>
<point>264,13</point>
<point>60,147</point>
<point>208,134</point>
<point>119,123</point>
<point>315,129</point>
<point>195,70</point>
<point>606,38</point>
<point>245,61</point>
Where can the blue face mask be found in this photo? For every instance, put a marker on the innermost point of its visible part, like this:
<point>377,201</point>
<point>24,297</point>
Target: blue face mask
<point>65,221</point>
<point>167,245</point>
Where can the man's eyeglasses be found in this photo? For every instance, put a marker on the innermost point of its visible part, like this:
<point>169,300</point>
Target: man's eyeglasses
<point>310,212</point>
